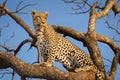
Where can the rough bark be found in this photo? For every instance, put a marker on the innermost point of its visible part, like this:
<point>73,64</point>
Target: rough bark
<point>19,21</point>
<point>38,71</point>
<point>89,40</point>
<point>80,36</point>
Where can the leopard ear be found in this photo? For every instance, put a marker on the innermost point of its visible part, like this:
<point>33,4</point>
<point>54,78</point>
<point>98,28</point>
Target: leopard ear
<point>46,13</point>
<point>33,12</point>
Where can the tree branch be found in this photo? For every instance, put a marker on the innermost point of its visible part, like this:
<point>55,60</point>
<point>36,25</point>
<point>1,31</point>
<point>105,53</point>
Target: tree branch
<point>96,15</point>
<point>91,41</point>
<point>114,65</point>
<point>80,36</point>
<point>7,48</point>
<point>115,8</point>
<point>115,29</point>
<point>38,71</point>
<point>22,43</point>
<point>91,34</point>
<point>19,21</point>
<point>69,32</point>
<point>108,41</point>
<point>18,9</point>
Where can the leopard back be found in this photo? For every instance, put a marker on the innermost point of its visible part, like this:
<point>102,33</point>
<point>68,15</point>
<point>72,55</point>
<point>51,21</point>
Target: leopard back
<point>54,47</point>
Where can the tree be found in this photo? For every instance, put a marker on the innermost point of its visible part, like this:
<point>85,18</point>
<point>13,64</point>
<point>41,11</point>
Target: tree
<point>89,39</point>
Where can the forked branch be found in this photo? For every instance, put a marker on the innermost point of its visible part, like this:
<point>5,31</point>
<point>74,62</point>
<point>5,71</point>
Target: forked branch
<point>22,43</point>
<point>37,71</point>
<point>19,21</point>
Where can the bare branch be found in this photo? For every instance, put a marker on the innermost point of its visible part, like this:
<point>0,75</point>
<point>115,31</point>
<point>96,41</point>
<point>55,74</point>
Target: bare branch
<point>3,27</point>
<point>4,3</point>
<point>115,29</point>
<point>115,39</point>
<point>23,78</point>
<point>92,20</point>
<point>7,48</point>
<point>106,9</point>
<point>82,12</point>
<point>19,46</point>
<point>91,36</point>
<point>115,8</point>
<point>95,52</point>
<point>108,41</point>
<point>69,32</point>
<point>18,10</point>
<point>13,74</point>
<point>22,43</point>
<point>1,11</point>
<point>80,36</point>
<point>11,37</point>
<point>83,6</point>
<point>20,22</point>
<point>114,65</point>
<point>80,6</point>
<point>37,71</point>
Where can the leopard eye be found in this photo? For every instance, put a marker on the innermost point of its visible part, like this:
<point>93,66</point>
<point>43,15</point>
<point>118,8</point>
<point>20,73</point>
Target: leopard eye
<point>43,22</point>
<point>45,17</point>
<point>38,17</point>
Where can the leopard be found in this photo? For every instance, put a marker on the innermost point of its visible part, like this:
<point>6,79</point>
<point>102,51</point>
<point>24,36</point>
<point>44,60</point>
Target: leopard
<point>55,47</point>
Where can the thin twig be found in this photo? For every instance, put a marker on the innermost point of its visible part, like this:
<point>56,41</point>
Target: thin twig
<point>13,74</point>
<point>2,12</point>
<point>11,37</point>
<point>115,29</point>
<point>22,43</point>
<point>4,3</point>
<point>18,10</point>
<point>7,48</point>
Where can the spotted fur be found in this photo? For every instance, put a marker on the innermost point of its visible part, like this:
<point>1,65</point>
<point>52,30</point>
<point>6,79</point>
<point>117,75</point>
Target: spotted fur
<point>54,47</point>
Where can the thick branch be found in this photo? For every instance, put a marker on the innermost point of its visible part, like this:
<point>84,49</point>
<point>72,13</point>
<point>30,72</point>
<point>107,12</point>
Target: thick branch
<point>106,10</point>
<point>115,8</point>
<point>91,41</point>
<point>91,34</point>
<point>37,71</point>
<point>96,15</point>
<point>69,32</point>
<point>19,21</point>
<point>92,45</point>
<point>80,36</point>
<point>114,65</point>
<point>108,41</point>
<point>75,34</point>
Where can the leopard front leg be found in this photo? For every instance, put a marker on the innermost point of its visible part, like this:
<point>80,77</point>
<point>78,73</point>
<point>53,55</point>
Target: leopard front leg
<point>50,60</point>
<point>67,63</point>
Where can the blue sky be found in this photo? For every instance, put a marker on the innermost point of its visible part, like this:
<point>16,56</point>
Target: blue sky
<point>58,15</point>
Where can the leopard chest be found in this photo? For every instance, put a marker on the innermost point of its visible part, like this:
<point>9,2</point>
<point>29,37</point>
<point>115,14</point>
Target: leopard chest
<point>43,45</point>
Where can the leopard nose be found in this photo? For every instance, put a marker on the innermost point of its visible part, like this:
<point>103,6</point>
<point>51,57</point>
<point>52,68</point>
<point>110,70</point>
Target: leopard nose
<point>43,22</point>
<point>38,24</point>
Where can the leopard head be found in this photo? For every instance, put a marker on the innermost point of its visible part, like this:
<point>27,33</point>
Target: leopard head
<point>39,19</point>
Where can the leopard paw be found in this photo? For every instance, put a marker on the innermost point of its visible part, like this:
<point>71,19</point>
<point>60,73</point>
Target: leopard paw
<point>46,64</point>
